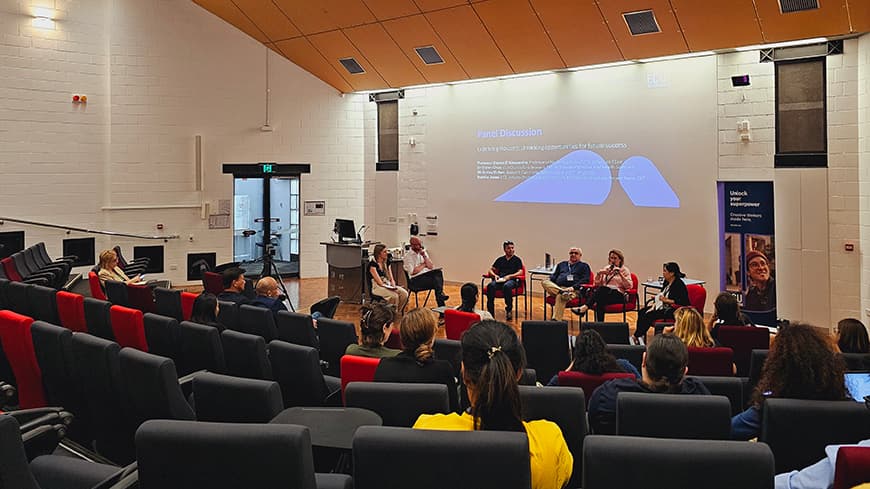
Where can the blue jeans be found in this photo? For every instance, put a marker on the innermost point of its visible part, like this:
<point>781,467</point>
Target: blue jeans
<point>507,289</point>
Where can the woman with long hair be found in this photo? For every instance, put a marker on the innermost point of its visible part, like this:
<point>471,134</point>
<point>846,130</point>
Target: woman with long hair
<point>726,312</point>
<point>469,294</point>
<point>492,362</point>
<point>591,357</point>
<point>375,325</point>
<point>205,311</point>
<point>381,281</point>
<point>852,336</point>
<point>689,326</point>
<point>802,364</point>
<point>663,371</point>
<point>416,362</point>
<point>612,283</point>
<point>109,269</point>
<point>673,295</point>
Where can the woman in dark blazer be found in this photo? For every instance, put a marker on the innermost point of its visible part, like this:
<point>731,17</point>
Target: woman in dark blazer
<point>673,295</point>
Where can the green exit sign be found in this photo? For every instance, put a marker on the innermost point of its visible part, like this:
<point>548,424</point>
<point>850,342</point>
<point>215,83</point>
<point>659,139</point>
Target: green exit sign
<point>268,168</point>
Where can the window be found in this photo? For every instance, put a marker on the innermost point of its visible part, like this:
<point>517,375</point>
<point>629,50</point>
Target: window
<point>801,114</point>
<point>388,136</point>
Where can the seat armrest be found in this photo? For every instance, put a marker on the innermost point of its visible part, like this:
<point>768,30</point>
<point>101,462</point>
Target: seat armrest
<point>189,377</point>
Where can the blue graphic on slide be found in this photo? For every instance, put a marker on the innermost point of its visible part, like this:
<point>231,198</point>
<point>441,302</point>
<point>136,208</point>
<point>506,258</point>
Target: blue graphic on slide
<point>645,185</point>
<point>583,177</point>
<point>580,177</point>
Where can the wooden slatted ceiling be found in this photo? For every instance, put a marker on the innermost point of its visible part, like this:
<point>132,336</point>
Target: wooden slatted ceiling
<point>483,38</point>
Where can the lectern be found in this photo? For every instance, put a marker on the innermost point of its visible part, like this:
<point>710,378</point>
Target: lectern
<point>346,269</point>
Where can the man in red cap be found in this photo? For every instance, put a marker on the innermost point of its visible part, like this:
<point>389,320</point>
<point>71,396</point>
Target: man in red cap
<point>761,295</point>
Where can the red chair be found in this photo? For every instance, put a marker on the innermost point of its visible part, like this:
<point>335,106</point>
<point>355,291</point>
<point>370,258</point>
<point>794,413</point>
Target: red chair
<point>519,291</point>
<point>187,300</point>
<point>357,369</point>
<point>550,300</point>
<point>128,326</point>
<point>141,297</point>
<point>18,347</point>
<point>457,322</point>
<point>71,309</point>
<point>630,303</point>
<point>853,467</point>
<point>744,339</point>
<point>395,340</point>
<point>589,382</point>
<point>213,283</point>
<point>711,361</point>
<point>96,286</point>
<point>697,299</point>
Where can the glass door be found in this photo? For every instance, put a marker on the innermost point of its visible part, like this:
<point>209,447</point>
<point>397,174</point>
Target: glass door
<point>266,203</point>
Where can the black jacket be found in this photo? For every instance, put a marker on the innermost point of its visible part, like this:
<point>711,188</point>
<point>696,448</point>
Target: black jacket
<point>405,368</point>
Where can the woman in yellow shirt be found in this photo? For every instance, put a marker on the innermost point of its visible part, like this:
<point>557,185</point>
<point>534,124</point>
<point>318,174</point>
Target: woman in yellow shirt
<point>492,362</point>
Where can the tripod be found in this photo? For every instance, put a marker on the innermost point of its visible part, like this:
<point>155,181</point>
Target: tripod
<point>270,269</point>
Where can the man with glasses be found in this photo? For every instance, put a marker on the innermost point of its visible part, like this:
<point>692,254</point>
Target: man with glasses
<point>566,280</point>
<point>761,292</point>
<point>504,272</point>
<point>422,271</point>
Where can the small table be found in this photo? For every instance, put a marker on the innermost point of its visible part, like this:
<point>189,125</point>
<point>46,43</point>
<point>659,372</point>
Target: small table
<point>543,273</point>
<point>656,285</point>
<point>330,427</point>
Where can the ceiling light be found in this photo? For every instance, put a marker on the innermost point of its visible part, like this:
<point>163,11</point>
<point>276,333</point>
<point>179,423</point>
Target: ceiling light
<point>676,56</point>
<point>602,65</point>
<point>785,44</point>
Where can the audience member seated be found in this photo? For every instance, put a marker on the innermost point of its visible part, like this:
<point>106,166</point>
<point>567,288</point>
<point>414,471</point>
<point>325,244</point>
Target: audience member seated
<point>234,286</point>
<point>504,271</point>
<point>612,283</point>
<point>417,363</point>
<point>591,357</point>
<point>801,364</point>
<point>852,336</point>
<point>492,361</point>
<point>690,328</point>
<point>566,281</point>
<point>382,282</point>
<point>819,475</point>
<point>268,295</point>
<point>205,311</point>
<point>109,269</point>
<point>470,295</point>
<point>673,295</point>
<point>375,327</point>
<point>663,371</point>
<point>422,271</point>
<point>726,312</point>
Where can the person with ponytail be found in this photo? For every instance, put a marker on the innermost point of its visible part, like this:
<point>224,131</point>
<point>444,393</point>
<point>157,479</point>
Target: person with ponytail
<point>663,371</point>
<point>492,363</point>
<point>470,295</point>
<point>416,363</point>
<point>376,325</point>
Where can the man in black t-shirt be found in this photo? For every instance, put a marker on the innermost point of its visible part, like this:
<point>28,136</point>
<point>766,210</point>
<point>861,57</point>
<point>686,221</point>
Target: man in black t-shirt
<point>504,271</point>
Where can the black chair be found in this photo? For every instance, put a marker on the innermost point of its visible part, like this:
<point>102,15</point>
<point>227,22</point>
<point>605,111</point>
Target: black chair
<point>245,355</point>
<point>116,292</point>
<point>416,288</point>
<point>398,404</point>
<point>225,399</point>
<point>42,302</point>
<point>17,294</point>
<point>730,387</point>
<point>97,375</point>
<point>528,377</point>
<point>50,471</point>
<point>756,363</point>
<point>4,283</point>
<point>151,387</point>
<point>185,454</point>
<point>296,368</point>
<point>257,321</point>
<point>162,334</point>
<point>296,328</point>
<point>335,336</point>
<point>632,353</point>
<point>199,348</point>
<point>675,464</point>
<point>565,406</point>
<point>672,416</point>
<point>98,318</point>
<point>133,267</point>
<point>168,303</point>
<point>856,361</point>
<point>612,333</point>
<point>228,314</point>
<point>451,351</point>
<point>55,275</point>
<point>44,259</point>
<point>34,262</point>
<point>547,349</point>
<point>478,459</point>
<point>326,307</point>
<point>798,430</point>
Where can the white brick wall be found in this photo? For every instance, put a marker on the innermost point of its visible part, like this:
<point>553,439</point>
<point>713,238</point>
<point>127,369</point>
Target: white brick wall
<point>862,200</point>
<point>158,73</point>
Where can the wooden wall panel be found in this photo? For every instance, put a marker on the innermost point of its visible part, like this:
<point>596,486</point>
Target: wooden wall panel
<point>718,25</point>
<point>859,14</point>
<point>465,35</point>
<point>334,45</point>
<point>579,43</point>
<point>269,18</point>
<point>831,18</point>
<point>391,9</point>
<point>518,32</point>
<point>668,41</point>
<point>414,32</point>
<point>227,10</point>
<point>303,54</point>
<point>383,53</point>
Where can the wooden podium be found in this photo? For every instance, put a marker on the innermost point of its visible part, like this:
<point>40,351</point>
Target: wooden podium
<point>346,269</point>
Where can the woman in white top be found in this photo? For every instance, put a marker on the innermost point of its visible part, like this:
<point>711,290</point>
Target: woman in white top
<point>382,282</point>
<point>612,283</point>
<point>470,295</point>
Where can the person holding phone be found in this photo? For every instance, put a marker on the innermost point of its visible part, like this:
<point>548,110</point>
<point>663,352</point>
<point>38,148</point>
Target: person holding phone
<point>612,284</point>
<point>109,269</point>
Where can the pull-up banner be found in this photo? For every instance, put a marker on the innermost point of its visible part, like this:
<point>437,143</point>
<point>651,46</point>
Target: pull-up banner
<point>747,247</point>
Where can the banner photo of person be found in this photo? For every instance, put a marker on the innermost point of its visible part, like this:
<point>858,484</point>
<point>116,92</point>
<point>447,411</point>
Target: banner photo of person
<point>747,247</point>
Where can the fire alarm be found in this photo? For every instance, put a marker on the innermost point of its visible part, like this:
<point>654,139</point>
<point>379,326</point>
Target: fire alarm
<point>849,246</point>
<point>76,98</point>
<point>84,99</point>
<point>160,226</point>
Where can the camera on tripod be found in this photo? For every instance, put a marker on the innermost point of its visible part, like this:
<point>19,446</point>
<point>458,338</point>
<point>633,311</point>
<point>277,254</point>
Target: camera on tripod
<point>269,249</point>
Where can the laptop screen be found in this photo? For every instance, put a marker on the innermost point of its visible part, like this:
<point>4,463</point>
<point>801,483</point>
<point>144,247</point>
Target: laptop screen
<point>858,385</point>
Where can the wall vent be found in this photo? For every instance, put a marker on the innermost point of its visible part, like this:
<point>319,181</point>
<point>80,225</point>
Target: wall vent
<point>352,66</point>
<point>429,55</point>
<point>642,22</point>
<point>789,6</point>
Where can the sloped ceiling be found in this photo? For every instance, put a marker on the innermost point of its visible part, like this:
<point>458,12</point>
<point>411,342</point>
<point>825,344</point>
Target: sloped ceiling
<point>484,38</point>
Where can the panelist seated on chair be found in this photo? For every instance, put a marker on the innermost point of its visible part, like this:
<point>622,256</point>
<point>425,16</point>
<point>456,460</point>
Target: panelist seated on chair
<point>591,357</point>
<point>234,286</point>
<point>504,272</point>
<point>381,279</point>
<point>566,281</point>
<point>268,295</point>
<point>612,283</point>
<point>422,272</point>
<point>109,269</point>
<point>673,295</point>
<point>375,326</point>
<point>663,371</point>
<point>469,294</point>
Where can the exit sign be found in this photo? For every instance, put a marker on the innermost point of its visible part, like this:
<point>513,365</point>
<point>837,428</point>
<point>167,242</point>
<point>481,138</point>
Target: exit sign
<point>268,168</point>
